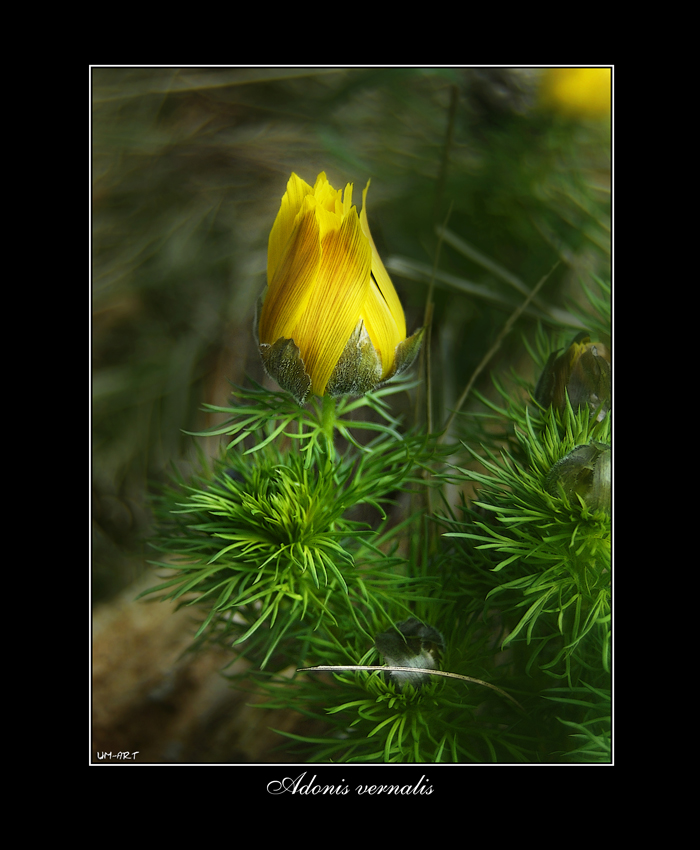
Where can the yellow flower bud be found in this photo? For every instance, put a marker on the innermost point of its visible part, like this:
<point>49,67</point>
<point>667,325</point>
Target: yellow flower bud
<point>583,372</point>
<point>331,322</point>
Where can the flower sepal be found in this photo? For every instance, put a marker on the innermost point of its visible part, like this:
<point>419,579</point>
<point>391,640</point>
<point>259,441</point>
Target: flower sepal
<point>358,371</point>
<point>282,362</point>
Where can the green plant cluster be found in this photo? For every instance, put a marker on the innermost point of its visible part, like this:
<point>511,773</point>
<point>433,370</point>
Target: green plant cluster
<point>264,535</point>
<point>289,547</point>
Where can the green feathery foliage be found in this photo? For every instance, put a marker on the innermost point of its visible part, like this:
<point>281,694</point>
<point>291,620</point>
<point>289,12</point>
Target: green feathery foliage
<point>554,549</point>
<point>263,537</point>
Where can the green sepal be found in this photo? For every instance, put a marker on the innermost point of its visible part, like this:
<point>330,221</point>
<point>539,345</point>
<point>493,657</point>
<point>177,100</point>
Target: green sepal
<point>359,369</point>
<point>406,352</point>
<point>283,363</point>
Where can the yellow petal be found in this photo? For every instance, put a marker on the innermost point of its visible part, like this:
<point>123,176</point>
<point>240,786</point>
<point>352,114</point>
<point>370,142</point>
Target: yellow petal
<point>333,310</point>
<point>292,200</point>
<point>331,206</point>
<point>381,327</point>
<point>381,277</point>
<point>328,220</point>
<point>293,282</point>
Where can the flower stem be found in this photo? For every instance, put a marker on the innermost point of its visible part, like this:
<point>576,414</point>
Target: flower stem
<point>328,425</point>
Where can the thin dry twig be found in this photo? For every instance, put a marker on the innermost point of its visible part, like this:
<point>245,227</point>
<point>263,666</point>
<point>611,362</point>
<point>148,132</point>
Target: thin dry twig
<point>389,669</point>
<point>494,348</point>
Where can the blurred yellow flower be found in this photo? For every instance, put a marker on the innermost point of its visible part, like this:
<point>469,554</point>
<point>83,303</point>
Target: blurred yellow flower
<point>331,322</point>
<point>579,92</point>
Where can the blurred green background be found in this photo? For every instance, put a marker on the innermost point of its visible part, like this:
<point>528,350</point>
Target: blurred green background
<point>189,166</point>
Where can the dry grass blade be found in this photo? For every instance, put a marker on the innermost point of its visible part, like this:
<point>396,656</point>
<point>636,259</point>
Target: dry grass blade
<point>388,669</point>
